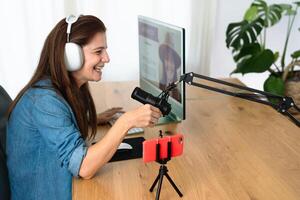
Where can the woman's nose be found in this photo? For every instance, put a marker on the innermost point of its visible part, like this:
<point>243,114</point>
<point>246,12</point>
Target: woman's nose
<point>105,57</point>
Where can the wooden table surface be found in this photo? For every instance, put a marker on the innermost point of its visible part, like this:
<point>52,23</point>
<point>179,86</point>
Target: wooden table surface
<point>234,150</point>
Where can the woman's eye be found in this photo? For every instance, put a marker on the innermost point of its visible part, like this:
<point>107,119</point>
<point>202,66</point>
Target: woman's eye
<point>99,52</point>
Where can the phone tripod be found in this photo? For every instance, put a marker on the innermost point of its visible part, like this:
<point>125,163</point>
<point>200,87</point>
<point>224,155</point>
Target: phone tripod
<point>163,171</point>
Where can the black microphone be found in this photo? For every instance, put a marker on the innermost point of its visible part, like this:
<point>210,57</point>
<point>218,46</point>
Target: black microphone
<point>146,98</point>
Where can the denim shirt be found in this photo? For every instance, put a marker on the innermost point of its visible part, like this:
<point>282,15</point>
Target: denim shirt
<point>44,146</point>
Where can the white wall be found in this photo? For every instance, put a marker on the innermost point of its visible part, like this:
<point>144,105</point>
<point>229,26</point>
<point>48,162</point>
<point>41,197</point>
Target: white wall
<point>221,59</point>
<point>24,28</point>
<point>120,18</point>
<point>27,23</point>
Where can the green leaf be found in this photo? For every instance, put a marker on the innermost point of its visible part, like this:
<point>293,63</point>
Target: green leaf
<point>291,12</point>
<point>285,6</point>
<point>296,54</point>
<point>287,9</point>
<point>251,14</point>
<point>270,14</point>
<point>274,85</point>
<point>247,50</point>
<point>259,62</point>
<point>243,33</point>
<point>260,4</point>
<point>297,3</point>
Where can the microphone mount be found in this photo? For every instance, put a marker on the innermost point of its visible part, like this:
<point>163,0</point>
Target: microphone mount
<point>282,103</point>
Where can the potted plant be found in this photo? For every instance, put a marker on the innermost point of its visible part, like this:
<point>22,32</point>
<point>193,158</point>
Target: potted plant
<point>247,40</point>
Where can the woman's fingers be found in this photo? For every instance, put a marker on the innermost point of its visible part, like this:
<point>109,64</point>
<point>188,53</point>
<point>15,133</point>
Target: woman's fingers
<point>144,116</point>
<point>153,120</point>
<point>115,110</point>
<point>155,109</point>
<point>156,115</point>
<point>104,117</point>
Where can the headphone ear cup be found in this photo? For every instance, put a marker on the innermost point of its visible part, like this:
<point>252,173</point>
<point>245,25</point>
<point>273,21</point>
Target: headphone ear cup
<point>73,56</point>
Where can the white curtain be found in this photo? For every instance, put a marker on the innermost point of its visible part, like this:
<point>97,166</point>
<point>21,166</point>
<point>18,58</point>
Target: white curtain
<point>202,28</point>
<point>27,23</point>
<point>24,27</point>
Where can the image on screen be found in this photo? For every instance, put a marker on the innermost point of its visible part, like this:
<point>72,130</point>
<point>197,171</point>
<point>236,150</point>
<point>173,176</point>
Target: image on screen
<point>162,61</point>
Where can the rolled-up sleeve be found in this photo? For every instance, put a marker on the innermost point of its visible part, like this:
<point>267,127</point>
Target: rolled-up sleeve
<point>76,160</point>
<point>53,119</point>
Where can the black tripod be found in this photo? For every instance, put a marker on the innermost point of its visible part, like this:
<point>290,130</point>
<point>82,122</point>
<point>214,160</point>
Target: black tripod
<point>163,171</point>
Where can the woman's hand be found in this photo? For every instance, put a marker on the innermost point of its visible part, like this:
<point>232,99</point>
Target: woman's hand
<point>104,117</point>
<point>143,116</point>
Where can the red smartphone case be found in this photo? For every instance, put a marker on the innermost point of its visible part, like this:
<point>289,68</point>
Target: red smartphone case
<point>149,147</point>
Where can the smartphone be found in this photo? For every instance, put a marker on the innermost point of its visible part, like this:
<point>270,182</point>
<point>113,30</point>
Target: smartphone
<point>149,147</point>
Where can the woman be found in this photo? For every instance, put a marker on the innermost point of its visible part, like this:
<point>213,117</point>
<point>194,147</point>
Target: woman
<point>171,62</point>
<point>53,115</point>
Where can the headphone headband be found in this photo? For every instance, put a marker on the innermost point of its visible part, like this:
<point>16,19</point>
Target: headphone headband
<point>73,52</point>
<point>71,19</point>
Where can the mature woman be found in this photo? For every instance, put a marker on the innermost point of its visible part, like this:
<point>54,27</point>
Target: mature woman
<point>54,114</point>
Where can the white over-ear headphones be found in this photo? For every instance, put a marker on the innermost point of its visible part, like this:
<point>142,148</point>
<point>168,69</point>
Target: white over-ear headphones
<point>73,52</point>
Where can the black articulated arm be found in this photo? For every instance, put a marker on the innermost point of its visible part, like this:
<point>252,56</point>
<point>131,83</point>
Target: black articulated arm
<point>281,104</point>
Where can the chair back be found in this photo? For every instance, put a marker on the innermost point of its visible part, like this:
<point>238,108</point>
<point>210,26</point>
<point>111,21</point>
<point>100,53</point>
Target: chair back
<point>5,100</point>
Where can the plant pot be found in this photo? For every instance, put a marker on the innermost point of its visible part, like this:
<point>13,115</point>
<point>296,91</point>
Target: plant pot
<point>292,89</point>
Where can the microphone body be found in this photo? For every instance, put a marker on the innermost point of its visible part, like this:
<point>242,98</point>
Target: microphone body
<point>147,98</point>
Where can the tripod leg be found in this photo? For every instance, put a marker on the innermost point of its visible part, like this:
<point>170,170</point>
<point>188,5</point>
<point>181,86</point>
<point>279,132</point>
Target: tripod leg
<point>161,176</point>
<point>173,184</point>
<point>154,183</point>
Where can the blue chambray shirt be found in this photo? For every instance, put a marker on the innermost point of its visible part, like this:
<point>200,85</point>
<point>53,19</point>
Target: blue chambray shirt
<point>44,146</point>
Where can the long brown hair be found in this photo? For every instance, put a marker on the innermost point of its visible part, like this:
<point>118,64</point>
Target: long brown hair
<point>52,65</point>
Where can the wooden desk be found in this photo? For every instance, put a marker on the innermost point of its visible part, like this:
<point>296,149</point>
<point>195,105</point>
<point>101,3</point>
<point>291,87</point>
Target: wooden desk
<point>234,150</point>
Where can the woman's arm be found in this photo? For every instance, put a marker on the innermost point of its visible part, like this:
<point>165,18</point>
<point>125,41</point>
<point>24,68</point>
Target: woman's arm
<point>101,152</point>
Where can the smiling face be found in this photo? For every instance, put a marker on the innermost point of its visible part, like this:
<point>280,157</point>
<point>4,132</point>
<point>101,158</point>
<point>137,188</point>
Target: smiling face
<point>95,57</point>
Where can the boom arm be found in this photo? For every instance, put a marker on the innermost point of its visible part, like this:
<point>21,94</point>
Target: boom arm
<point>282,103</point>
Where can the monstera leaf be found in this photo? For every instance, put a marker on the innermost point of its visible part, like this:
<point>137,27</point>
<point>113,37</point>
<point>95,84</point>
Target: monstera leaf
<point>243,33</point>
<point>296,54</point>
<point>270,14</point>
<point>274,85</point>
<point>246,52</point>
<point>247,40</point>
<point>288,9</point>
<point>251,14</point>
<point>252,58</point>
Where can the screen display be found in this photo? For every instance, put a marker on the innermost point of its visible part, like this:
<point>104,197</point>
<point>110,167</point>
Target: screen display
<point>161,60</point>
